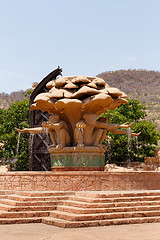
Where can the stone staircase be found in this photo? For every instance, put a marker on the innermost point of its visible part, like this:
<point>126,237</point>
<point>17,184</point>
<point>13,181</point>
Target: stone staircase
<point>29,207</point>
<point>80,209</point>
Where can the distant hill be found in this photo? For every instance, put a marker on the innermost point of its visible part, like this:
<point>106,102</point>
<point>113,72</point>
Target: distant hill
<point>138,84</point>
<point>6,99</point>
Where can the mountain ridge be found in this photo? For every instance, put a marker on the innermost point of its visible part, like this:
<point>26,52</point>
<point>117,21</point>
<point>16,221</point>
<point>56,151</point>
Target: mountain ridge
<point>138,84</point>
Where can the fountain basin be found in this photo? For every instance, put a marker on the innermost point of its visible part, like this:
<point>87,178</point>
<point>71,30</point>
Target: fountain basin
<point>77,159</point>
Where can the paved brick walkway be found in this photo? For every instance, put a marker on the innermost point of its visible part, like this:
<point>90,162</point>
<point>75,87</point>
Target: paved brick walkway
<point>45,232</point>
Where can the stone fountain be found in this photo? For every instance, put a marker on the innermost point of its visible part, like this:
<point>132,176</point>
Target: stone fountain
<point>75,128</point>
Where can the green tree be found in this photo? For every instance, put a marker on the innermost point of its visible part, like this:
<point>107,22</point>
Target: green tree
<point>122,148</point>
<point>17,115</point>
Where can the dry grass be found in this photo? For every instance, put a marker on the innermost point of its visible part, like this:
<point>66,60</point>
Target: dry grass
<point>141,85</point>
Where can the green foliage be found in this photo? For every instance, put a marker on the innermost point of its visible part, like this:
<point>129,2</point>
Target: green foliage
<point>17,115</point>
<point>133,111</point>
<point>29,92</point>
<point>149,134</point>
<point>122,148</point>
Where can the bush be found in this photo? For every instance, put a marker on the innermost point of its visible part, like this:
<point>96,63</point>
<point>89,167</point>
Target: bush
<point>122,148</point>
<point>17,115</point>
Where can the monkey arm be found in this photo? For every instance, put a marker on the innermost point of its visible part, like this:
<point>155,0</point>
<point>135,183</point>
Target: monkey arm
<point>120,131</point>
<point>53,126</point>
<point>31,130</point>
<point>91,119</point>
<point>125,125</point>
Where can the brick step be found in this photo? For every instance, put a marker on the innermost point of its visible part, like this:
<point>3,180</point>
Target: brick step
<point>77,210</point>
<point>6,192</point>
<point>27,203</point>
<point>2,192</point>
<point>28,214</point>
<point>114,194</point>
<point>77,224</point>
<point>4,207</point>
<point>44,193</point>
<point>36,199</point>
<point>19,220</point>
<point>9,208</point>
<point>108,205</point>
<point>102,216</point>
<point>3,197</point>
<point>120,199</point>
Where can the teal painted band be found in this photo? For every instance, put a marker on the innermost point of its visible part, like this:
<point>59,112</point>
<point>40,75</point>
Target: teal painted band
<point>77,160</point>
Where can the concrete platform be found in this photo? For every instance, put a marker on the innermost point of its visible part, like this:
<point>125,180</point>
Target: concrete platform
<point>38,231</point>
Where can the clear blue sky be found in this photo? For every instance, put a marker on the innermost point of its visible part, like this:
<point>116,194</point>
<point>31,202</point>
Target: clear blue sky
<point>84,37</point>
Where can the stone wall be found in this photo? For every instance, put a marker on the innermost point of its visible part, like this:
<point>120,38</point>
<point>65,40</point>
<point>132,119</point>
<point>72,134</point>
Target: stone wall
<point>79,181</point>
<point>153,163</point>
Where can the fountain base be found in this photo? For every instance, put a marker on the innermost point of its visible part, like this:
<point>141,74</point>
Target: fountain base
<point>86,158</point>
